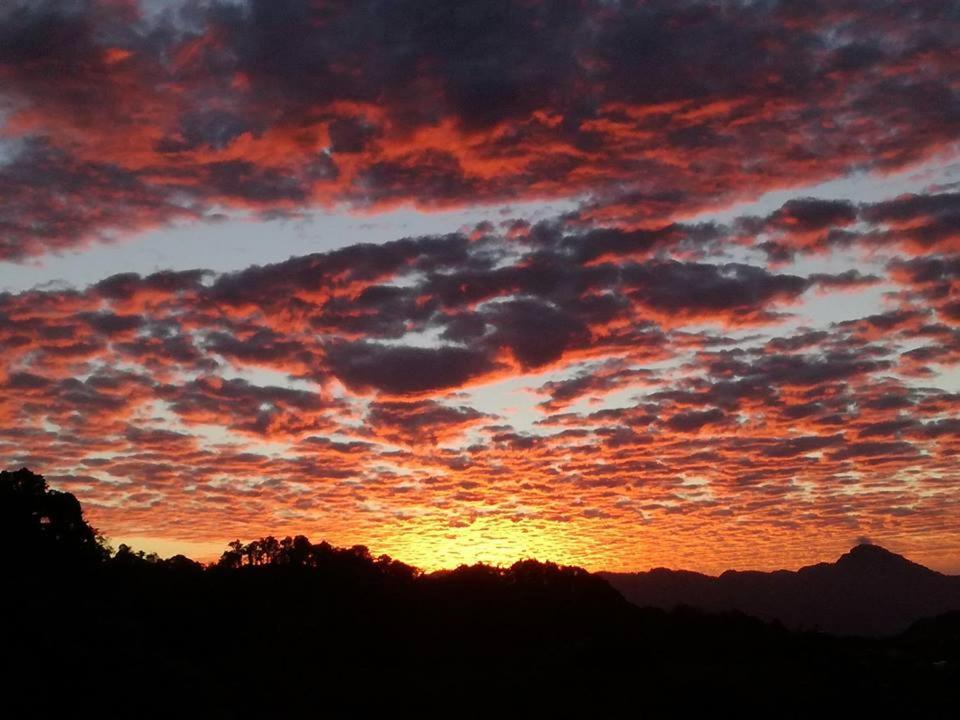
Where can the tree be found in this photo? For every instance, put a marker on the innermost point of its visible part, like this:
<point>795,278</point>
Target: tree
<point>300,551</point>
<point>253,553</point>
<point>43,526</point>
<point>270,548</point>
<point>182,564</point>
<point>232,558</point>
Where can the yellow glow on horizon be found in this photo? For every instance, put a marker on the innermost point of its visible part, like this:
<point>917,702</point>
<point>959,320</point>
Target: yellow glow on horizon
<point>490,540</point>
<point>166,548</point>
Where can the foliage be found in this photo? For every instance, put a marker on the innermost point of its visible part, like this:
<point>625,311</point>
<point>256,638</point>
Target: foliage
<point>43,526</point>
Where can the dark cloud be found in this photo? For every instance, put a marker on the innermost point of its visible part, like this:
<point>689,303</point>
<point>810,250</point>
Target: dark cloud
<point>420,422</point>
<point>913,223</point>
<point>735,291</point>
<point>873,449</point>
<point>594,382</point>
<point>536,332</point>
<point>802,445</point>
<point>244,407</point>
<point>53,201</point>
<point>695,420</point>
<point>400,370</point>
<point>801,370</point>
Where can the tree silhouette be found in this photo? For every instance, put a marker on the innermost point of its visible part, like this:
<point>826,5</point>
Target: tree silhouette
<point>233,556</point>
<point>43,526</point>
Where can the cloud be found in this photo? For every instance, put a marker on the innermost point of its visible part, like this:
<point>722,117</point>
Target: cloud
<point>402,370</point>
<point>695,421</point>
<point>135,120</point>
<point>739,293</point>
<point>268,411</point>
<point>750,377</point>
<point>421,422</point>
<point>913,224</point>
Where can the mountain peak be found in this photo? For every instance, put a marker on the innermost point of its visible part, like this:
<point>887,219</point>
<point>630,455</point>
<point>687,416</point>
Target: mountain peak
<point>865,550</point>
<point>873,558</point>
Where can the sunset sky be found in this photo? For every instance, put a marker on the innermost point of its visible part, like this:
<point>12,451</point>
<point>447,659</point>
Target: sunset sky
<point>615,284</point>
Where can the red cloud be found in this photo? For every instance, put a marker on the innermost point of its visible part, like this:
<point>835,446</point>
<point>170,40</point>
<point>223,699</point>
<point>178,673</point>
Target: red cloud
<point>130,122</point>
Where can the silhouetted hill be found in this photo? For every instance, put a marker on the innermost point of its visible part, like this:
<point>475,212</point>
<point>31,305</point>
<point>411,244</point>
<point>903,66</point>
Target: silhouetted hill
<point>867,591</point>
<point>290,628</point>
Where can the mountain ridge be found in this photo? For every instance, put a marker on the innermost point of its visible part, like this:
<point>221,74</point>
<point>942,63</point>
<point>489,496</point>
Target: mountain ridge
<point>868,590</point>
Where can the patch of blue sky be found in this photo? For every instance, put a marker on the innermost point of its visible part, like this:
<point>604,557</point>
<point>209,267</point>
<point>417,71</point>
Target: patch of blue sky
<point>241,240</point>
<point>862,187</point>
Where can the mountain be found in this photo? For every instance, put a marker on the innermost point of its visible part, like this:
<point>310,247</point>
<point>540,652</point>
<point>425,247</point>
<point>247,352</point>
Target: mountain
<point>867,591</point>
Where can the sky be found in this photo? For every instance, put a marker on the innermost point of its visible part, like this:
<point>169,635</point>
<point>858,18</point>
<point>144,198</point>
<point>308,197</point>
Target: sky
<point>614,284</point>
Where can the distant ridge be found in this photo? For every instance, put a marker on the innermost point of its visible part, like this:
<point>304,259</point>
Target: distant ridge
<point>867,591</point>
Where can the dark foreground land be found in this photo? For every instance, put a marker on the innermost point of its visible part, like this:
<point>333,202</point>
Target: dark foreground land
<point>294,629</point>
